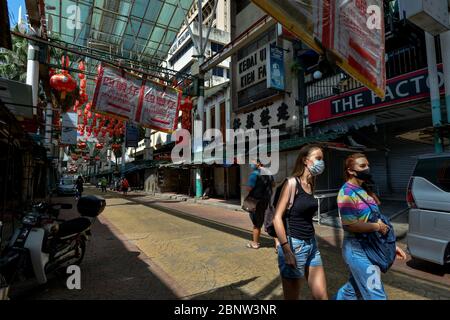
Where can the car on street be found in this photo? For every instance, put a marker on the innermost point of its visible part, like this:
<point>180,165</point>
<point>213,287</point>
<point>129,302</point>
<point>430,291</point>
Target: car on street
<point>428,197</point>
<point>67,186</point>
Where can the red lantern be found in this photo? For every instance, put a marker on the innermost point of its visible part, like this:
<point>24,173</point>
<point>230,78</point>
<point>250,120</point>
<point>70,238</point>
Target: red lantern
<point>89,134</point>
<point>63,83</point>
<point>83,84</point>
<point>89,115</point>
<point>74,157</point>
<point>83,97</point>
<point>82,145</point>
<point>97,158</point>
<point>88,106</point>
<point>99,146</point>
<point>86,158</point>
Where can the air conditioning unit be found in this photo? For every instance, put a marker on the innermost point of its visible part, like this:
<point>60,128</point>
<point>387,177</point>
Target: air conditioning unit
<point>430,15</point>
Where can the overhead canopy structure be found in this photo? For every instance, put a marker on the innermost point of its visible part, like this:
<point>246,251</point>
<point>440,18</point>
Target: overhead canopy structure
<point>139,33</point>
<point>142,30</point>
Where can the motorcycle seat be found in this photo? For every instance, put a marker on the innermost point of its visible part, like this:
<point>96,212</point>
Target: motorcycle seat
<point>73,227</point>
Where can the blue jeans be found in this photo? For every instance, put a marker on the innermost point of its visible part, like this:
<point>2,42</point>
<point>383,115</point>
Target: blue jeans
<point>306,254</point>
<point>365,278</point>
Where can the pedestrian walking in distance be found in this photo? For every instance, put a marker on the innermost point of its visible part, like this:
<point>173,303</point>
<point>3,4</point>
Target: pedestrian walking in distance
<point>125,186</point>
<point>260,184</point>
<point>103,183</point>
<point>356,203</point>
<point>298,255</point>
<point>79,185</point>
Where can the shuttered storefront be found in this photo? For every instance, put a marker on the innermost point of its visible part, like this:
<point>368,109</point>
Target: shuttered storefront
<point>401,160</point>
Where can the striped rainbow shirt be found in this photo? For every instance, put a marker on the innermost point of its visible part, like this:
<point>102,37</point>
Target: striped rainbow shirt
<point>351,207</point>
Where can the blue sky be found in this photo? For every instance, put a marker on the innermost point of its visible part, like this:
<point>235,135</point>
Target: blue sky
<point>13,9</point>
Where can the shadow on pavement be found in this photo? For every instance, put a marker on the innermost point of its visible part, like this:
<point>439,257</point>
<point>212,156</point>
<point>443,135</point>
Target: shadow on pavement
<point>110,270</point>
<point>426,266</point>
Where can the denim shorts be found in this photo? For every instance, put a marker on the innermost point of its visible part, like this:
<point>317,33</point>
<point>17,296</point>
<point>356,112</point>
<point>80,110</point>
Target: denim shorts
<point>307,255</point>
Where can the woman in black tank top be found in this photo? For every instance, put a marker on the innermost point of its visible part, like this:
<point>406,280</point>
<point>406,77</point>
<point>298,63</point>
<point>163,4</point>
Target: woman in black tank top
<point>298,254</point>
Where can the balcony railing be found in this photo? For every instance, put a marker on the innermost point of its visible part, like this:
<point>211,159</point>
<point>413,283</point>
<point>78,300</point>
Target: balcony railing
<point>400,61</point>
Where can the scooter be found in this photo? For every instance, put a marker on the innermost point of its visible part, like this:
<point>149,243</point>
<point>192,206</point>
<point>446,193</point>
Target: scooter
<point>45,244</point>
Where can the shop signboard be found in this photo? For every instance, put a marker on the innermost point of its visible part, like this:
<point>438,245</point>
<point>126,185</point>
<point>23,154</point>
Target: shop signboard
<point>275,68</point>
<point>351,31</point>
<point>69,128</point>
<point>403,89</point>
<point>132,136</point>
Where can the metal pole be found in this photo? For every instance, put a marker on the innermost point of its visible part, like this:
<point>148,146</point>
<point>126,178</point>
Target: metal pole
<point>434,91</point>
<point>124,150</point>
<point>33,71</point>
<point>445,48</point>
<point>198,128</point>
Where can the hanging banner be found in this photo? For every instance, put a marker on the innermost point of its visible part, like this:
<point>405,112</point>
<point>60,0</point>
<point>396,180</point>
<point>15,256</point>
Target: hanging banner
<point>275,68</point>
<point>129,97</point>
<point>352,31</point>
<point>132,136</point>
<point>69,128</point>
<point>159,107</point>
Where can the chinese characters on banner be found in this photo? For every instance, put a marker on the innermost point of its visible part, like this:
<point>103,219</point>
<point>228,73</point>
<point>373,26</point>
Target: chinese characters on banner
<point>352,30</point>
<point>145,102</point>
<point>159,108</point>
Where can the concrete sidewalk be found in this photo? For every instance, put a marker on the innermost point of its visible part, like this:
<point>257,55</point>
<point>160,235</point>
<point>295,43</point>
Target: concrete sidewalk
<point>328,236</point>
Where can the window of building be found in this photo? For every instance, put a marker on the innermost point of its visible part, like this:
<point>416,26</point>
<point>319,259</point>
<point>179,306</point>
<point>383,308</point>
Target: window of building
<point>216,47</point>
<point>177,56</point>
<point>267,37</point>
<point>218,71</point>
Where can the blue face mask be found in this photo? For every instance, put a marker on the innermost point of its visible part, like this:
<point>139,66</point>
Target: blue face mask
<point>317,168</point>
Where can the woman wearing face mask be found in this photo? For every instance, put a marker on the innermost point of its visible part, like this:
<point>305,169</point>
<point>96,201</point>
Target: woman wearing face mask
<point>356,202</point>
<point>298,254</point>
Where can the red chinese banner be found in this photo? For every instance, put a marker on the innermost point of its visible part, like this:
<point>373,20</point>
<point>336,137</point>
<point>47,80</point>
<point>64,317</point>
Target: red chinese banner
<point>351,30</point>
<point>129,97</point>
<point>159,107</point>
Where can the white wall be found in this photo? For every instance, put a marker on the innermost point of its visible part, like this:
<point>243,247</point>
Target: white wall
<point>247,17</point>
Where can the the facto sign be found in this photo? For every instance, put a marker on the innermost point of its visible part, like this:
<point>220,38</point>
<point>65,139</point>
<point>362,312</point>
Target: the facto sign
<point>406,88</point>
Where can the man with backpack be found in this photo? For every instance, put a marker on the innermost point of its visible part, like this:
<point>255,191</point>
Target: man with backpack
<point>260,192</point>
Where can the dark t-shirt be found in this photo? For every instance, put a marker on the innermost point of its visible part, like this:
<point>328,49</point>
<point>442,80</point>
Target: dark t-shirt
<point>301,214</point>
<point>262,188</point>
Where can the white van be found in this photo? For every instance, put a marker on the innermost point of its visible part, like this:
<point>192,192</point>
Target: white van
<point>428,197</point>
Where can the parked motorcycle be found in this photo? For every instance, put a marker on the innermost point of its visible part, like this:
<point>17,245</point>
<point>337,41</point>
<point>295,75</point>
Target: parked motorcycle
<point>45,244</point>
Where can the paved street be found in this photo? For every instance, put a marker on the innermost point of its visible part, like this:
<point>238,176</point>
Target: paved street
<point>144,248</point>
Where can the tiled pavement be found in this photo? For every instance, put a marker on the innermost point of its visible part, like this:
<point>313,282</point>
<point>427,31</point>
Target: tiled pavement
<point>145,248</point>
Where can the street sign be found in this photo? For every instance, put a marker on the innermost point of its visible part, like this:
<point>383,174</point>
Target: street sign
<point>69,128</point>
<point>351,32</point>
<point>132,136</point>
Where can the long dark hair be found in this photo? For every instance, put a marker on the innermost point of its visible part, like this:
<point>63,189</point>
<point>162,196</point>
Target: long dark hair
<point>300,167</point>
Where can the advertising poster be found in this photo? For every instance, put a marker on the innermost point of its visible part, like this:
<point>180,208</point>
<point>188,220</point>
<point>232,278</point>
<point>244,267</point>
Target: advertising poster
<point>352,32</point>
